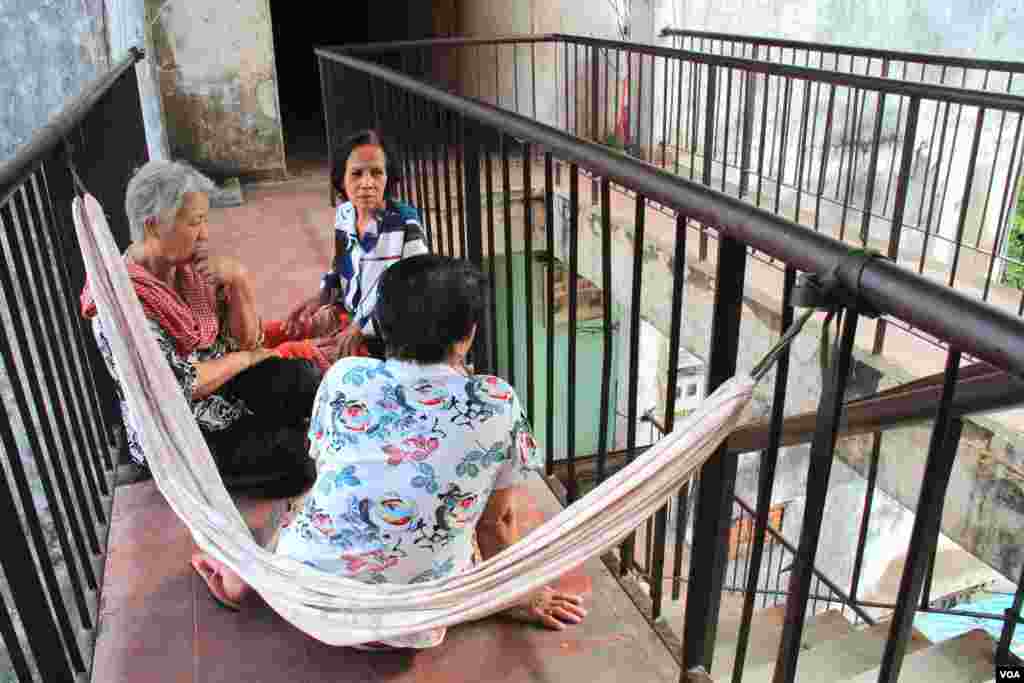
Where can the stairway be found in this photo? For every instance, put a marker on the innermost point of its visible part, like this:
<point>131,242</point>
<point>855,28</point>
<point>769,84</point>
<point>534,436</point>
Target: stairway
<point>834,651</point>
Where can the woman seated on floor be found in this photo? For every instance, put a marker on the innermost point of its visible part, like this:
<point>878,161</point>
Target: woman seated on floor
<point>414,454</point>
<point>372,231</point>
<point>251,402</point>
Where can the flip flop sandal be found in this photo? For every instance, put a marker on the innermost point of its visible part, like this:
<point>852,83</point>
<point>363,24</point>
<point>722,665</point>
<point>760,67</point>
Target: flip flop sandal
<point>220,600</point>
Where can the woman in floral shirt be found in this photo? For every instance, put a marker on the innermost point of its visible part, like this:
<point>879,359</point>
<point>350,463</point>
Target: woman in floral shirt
<point>414,454</point>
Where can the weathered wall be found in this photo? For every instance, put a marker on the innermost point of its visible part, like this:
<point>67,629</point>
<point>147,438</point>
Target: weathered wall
<point>126,28</point>
<point>217,82</point>
<point>48,52</point>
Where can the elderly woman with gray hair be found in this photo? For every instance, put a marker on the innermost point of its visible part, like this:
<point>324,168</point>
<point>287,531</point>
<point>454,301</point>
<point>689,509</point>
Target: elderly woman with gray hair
<point>251,402</point>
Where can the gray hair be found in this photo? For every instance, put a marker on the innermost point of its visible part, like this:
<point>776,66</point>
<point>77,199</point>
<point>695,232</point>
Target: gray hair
<point>158,190</point>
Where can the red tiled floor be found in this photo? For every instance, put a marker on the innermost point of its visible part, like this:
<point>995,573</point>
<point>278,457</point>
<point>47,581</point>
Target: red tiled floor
<point>159,623</point>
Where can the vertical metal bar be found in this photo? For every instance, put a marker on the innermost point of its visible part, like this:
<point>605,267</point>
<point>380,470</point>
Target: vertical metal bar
<point>43,635</point>
<point>606,309</point>
<point>326,98</point>
<point>471,140</point>
<point>675,334</point>
<point>528,249</point>
<point>32,243</point>
<point>725,127</point>
<point>445,130</point>
<point>1010,618</point>
<point>709,147</point>
<point>679,112</point>
<point>965,200</point>
<point>628,545</point>
<point>423,174</point>
<point>854,142</point>
<point>766,480</point>
<point>822,452</point>
<point>459,179</point>
<point>576,89</point>
<point>639,105</point>
<point>802,150</point>
<point>865,518</point>
<point>99,419</point>
<point>549,233</point>
<point>900,202</point>
<point>437,187</point>
<point>935,188</point>
<point>66,328</point>
<point>992,175</point>
<point>1009,199</point>
<point>750,85</point>
<point>783,140</point>
<point>869,192</point>
<point>509,283</point>
<point>497,77</point>
<point>825,147</point>
<point>533,77</point>
<point>491,265</point>
<point>927,521</point>
<point>570,417</point>
<point>713,507</point>
<point>618,74</point>
<point>607,95</point>
<point>764,137</point>
<point>595,93</point>
<point>14,650</point>
<point>40,382</point>
<point>892,161</point>
<point>515,75</point>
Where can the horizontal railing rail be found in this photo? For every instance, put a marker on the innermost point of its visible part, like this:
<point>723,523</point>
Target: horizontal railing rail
<point>848,50</point>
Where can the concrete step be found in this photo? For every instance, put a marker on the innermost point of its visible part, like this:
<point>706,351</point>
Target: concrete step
<point>969,658</point>
<point>841,658</point>
<point>766,634</point>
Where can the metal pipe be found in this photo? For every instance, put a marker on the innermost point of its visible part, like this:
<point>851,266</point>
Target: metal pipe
<point>892,55</point>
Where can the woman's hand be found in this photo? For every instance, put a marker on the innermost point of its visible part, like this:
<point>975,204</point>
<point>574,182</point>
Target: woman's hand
<point>349,341</point>
<point>552,609</point>
<point>299,319</point>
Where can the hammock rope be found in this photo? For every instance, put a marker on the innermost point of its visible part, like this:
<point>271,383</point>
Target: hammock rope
<point>342,611</point>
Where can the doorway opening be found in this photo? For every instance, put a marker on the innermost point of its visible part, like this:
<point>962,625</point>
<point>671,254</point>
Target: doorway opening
<point>297,31</point>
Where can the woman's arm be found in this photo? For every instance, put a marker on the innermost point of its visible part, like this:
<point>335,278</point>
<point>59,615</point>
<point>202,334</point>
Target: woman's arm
<point>211,375</point>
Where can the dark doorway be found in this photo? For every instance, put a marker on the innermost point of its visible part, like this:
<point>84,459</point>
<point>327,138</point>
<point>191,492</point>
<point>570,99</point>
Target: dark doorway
<point>296,32</point>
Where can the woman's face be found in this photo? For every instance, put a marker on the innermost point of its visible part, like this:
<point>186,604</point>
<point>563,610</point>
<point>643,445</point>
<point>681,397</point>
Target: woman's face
<point>188,235</point>
<point>366,177</point>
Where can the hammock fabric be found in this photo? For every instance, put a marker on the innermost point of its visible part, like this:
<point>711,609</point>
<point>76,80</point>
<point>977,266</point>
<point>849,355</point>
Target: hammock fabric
<point>341,611</point>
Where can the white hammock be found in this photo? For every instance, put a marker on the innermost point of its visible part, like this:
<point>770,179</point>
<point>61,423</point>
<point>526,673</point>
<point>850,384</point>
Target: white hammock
<point>343,611</point>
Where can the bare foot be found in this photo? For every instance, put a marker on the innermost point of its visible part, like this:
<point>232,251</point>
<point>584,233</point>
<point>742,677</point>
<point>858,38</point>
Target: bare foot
<point>225,586</point>
<point>550,608</point>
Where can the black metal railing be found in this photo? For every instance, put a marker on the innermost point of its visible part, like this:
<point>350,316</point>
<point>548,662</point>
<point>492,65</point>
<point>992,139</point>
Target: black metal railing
<point>56,433</point>
<point>823,144</point>
<point>512,186</point>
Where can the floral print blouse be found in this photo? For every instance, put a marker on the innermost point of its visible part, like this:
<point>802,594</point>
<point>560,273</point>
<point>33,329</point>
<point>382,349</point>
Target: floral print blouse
<point>213,413</point>
<point>407,458</point>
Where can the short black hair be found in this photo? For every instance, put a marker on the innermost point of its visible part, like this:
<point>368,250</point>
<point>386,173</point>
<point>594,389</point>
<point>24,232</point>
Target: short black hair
<point>344,151</point>
<point>427,303</point>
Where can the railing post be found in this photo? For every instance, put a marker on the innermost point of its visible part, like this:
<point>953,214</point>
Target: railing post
<point>709,149</point>
<point>714,503</point>
<point>474,233</point>
<point>927,523</point>
<point>748,128</point>
<point>326,71</point>
<point>822,451</point>
<point>1010,618</point>
<point>595,99</point>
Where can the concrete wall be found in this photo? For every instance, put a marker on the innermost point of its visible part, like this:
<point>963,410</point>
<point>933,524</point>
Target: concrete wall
<point>48,53</point>
<point>126,28</point>
<point>216,72</point>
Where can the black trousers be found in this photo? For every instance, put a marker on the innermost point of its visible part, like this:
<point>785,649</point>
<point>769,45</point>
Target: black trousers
<point>265,454</point>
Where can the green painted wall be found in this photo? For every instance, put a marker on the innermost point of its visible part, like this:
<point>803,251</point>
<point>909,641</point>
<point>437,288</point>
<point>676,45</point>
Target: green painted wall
<point>589,352</point>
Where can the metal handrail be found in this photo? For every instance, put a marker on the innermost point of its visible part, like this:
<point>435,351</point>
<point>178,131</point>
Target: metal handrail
<point>889,86</point>
<point>977,328</point>
<point>892,55</point>
<point>46,138</point>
